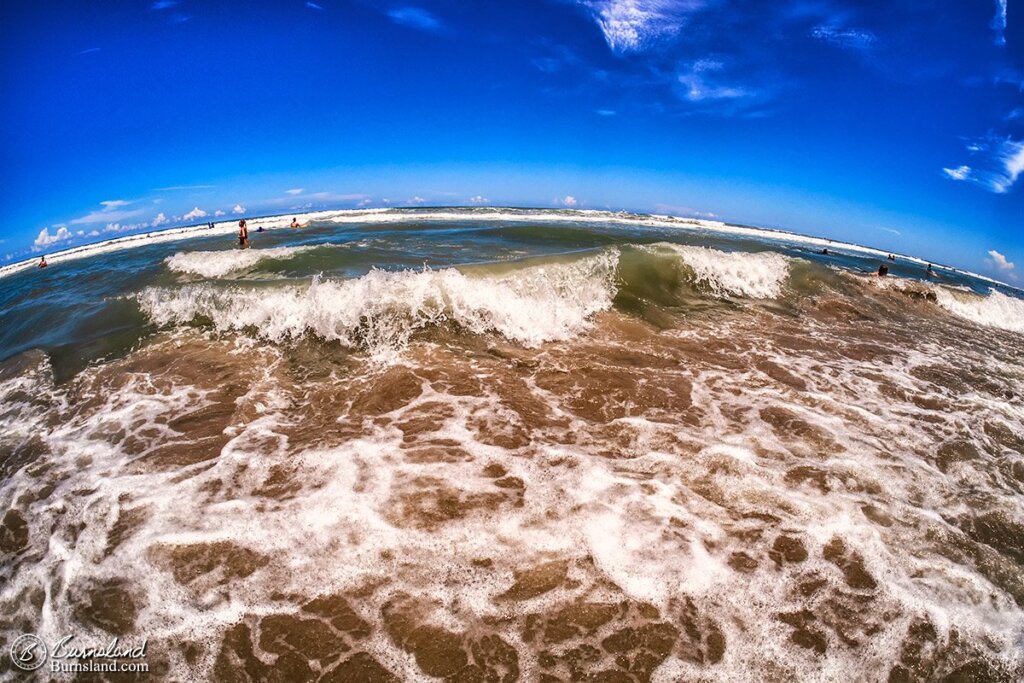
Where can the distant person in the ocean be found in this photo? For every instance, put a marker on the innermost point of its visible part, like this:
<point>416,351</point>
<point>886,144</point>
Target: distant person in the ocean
<point>825,252</point>
<point>891,257</point>
<point>243,234</point>
<point>42,262</point>
<point>295,223</point>
<point>930,271</point>
<point>883,270</point>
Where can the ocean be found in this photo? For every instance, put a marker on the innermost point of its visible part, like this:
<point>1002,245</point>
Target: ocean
<point>506,444</point>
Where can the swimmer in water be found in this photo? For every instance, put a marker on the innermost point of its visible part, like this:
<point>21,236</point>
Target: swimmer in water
<point>243,234</point>
<point>295,223</point>
<point>42,262</point>
<point>883,270</point>
<point>930,271</point>
<point>825,252</point>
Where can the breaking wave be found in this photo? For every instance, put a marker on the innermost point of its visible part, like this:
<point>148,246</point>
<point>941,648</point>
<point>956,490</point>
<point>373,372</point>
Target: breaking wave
<point>725,274</point>
<point>994,310</point>
<point>214,264</point>
<point>381,310</point>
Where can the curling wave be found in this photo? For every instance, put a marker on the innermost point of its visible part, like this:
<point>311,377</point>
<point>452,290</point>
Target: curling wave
<point>381,310</point>
<point>214,264</point>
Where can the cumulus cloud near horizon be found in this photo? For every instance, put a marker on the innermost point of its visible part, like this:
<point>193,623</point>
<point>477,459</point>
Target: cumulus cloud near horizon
<point>1000,264</point>
<point>45,239</point>
<point>193,214</point>
<point>238,209</point>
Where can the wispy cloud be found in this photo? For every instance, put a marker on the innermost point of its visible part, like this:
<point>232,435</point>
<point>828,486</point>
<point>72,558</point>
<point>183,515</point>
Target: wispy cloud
<point>479,200</point>
<point>705,80</point>
<point>605,112</point>
<point>999,263</point>
<point>175,188</point>
<point>293,192</point>
<point>111,211</point>
<point>958,173</point>
<point>999,22</point>
<point>88,50</point>
<point>634,25</point>
<point>218,213</point>
<point>1001,163</point>
<point>164,4</point>
<point>415,17</point>
<point>846,38</point>
<point>313,5</point>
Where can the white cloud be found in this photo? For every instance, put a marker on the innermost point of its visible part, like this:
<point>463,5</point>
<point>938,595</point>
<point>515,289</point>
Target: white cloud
<point>1011,154</point>
<point>632,25</point>
<point>218,213</point>
<point>958,173</point>
<point>846,38</point>
<point>313,5</point>
<point>160,219</point>
<point>415,17</point>
<point>294,192</point>
<point>999,22</point>
<point>417,200</point>
<point>238,209</point>
<point>365,202</point>
<point>479,200</point>
<point>1002,163</point>
<point>1001,265</point>
<point>45,239</point>
<point>109,212</point>
<point>699,84</point>
<point>568,200</point>
<point>605,112</point>
<point>193,214</point>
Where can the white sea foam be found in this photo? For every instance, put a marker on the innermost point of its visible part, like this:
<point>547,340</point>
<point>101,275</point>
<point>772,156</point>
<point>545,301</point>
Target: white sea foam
<point>992,310</point>
<point>750,275</point>
<point>214,264</point>
<point>381,310</point>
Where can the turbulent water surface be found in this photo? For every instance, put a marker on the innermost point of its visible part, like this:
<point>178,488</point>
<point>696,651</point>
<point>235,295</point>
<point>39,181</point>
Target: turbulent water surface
<point>509,446</point>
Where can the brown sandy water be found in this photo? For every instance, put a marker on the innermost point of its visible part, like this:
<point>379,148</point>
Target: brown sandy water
<point>823,486</point>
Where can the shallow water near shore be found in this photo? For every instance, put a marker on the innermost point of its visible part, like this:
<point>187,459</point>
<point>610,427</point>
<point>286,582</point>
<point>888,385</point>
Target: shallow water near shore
<point>499,449</point>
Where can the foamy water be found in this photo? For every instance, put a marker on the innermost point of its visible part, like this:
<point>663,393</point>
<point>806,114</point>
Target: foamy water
<point>645,461</point>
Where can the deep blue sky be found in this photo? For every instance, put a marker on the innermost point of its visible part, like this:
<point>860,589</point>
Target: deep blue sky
<point>898,124</point>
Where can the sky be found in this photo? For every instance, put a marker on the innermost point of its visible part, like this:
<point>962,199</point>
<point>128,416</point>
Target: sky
<point>897,124</point>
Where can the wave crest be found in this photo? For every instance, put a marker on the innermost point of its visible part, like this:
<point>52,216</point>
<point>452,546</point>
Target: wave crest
<point>740,274</point>
<point>993,310</point>
<point>214,264</point>
<point>381,310</point>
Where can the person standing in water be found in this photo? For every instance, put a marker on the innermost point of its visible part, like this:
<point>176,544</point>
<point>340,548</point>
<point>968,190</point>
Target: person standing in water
<point>295,223</point>
<point>883,270</point>
<point>243,234</point>
<point>42,261</point>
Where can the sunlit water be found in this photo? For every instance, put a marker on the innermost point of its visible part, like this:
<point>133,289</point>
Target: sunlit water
<point>497,447</point>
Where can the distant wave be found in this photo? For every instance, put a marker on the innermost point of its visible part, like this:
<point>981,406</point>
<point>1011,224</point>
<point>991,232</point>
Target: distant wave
<point>395,215</point>
<point>381,310</point>
<point>214,264</point>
